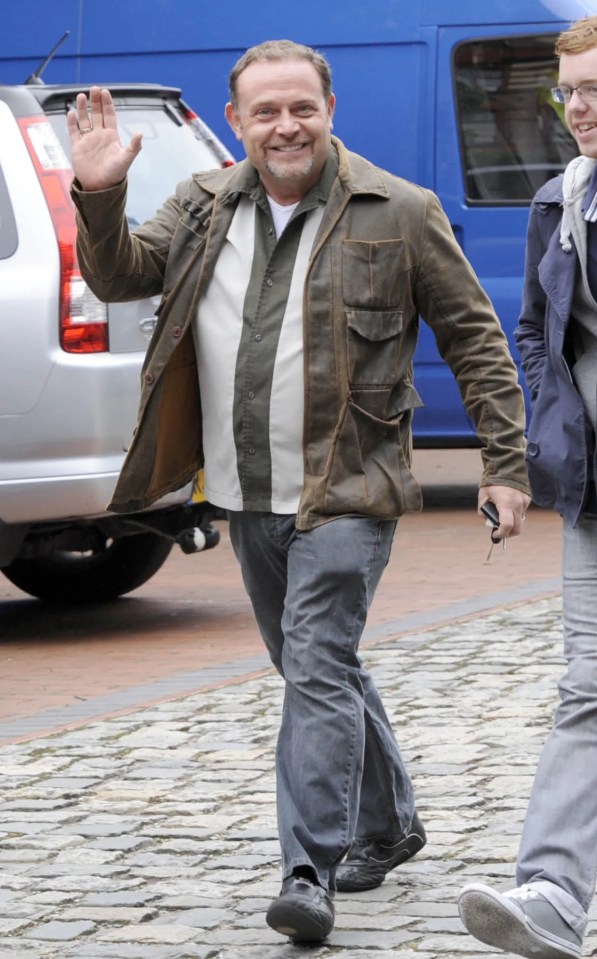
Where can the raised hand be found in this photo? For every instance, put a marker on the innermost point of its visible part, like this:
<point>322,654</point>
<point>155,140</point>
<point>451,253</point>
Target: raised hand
<point>98,158</point>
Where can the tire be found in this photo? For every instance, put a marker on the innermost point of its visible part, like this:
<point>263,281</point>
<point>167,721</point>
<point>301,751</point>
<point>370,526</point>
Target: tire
<point>94,576</point>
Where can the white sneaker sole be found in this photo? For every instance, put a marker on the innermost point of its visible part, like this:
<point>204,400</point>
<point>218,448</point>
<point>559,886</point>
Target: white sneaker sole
<point>489,917</point>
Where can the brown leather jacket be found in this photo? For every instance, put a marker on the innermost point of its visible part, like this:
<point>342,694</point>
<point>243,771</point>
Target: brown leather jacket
<point>384,254</point>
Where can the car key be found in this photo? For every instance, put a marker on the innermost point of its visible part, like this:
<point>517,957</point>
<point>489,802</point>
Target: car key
<point>492,519</point>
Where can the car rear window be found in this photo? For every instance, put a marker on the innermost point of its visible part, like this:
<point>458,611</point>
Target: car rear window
<point>8,227</point>
<point>172,151</point>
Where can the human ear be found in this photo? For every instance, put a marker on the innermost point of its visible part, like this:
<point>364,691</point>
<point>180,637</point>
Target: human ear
<point>233,121</point>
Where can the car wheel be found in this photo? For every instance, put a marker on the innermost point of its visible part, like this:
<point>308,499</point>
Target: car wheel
<point>93,576</point>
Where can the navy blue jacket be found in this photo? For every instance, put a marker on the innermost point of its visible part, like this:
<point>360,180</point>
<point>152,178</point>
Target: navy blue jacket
<point>560,449</point>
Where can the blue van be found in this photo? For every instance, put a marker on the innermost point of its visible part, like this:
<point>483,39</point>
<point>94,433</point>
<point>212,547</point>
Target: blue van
<point>455,96</point>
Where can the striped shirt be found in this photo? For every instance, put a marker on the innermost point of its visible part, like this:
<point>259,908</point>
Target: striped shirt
<point>249,343</point>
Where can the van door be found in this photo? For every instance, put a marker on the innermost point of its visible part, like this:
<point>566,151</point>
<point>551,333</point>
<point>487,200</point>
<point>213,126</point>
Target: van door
<point>499,137</point>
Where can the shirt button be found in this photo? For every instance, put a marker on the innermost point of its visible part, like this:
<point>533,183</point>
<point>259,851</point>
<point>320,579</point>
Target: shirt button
<point>251,395</point>
<point>252,451</point>
<point>258,337</point>
<point>149,378</point>
<point>269,281</point>
<point>176,332</point>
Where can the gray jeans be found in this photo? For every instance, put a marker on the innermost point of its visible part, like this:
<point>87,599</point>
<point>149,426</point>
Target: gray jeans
<point>339,772</point>
<point>559,840</point>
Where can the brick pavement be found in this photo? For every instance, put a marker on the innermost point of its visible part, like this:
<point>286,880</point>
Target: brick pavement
<point>191,627</point>
<point>153,834</point>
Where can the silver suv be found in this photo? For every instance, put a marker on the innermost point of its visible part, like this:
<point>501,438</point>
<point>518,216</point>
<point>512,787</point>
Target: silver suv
<point>70,365</point>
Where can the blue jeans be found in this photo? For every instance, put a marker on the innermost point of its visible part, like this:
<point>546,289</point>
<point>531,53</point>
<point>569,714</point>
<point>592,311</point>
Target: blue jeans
<point>559,841</point>
<point>339,772</point>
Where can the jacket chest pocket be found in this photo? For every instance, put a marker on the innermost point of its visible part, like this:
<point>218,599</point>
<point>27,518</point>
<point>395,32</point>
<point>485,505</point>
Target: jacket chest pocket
<point>188,239</point>
<point>375,274</point>
<point>373,338</point>
<point>376,291</point>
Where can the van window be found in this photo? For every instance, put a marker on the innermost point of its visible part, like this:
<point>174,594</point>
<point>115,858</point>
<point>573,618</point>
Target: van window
<point>513,136</point>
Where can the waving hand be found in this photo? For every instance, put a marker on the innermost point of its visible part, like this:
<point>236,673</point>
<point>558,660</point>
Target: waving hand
<point>99,159</point>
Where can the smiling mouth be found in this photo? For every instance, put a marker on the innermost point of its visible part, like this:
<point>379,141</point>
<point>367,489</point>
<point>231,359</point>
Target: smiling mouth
<point>288,148</point>
<point>585,127</point>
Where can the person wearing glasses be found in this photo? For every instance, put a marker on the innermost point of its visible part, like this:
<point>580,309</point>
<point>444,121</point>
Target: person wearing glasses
<point>282,360</point>
<point>545,916</point>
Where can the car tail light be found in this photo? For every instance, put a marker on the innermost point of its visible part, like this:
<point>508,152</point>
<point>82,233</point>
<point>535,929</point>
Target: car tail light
<point>203,133</point>
<point>83,319</point>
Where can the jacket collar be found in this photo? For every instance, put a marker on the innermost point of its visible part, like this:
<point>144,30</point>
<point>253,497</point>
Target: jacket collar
<point>358,175</point>
<point>551,192</point>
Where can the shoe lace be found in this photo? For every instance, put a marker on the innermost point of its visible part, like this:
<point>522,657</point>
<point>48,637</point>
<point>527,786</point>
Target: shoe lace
<point>523,893</point>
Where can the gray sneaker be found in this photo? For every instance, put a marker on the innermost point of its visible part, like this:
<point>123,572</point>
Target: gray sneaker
<point>521,921</point>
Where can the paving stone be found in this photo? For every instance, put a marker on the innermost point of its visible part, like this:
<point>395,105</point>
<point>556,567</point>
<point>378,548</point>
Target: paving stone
<point>111,914</point>
<point>118,843</point>
<point>371,939</point>
<point>86,854</point>
<point>83,877</point>
<point>166,934</point>
<point>13,924</point>
<point>53,897</point>
<point>26,855</point>
<point>60,931</point>
<point>199,918</point>
<point>36,805</point>
<point>51,842</point>
<point>11,948</point>
<point>34,818</point>
<point>119,899</point>
<point>104,950</point>
<point>89,829</point>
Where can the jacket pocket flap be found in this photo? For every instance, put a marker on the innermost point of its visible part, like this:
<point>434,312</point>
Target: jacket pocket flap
<point>375,324</point>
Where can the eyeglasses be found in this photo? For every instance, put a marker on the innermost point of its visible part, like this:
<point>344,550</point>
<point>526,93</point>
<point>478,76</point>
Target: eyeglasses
<point>587,91</point>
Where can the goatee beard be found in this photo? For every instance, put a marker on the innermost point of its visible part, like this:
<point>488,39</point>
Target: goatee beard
<point>282,173</point>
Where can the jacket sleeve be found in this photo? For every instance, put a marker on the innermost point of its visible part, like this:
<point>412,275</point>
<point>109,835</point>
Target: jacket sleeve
<point>530,332</point>
<point>116,264</point>
<point>470,339</point>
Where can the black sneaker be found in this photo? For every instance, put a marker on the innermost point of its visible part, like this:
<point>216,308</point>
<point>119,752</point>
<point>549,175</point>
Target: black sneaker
<point>303,911</point>
<point>368,861</point>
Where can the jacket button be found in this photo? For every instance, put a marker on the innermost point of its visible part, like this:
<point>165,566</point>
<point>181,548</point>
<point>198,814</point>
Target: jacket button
<point>176,331</point>
<point>149,378</point>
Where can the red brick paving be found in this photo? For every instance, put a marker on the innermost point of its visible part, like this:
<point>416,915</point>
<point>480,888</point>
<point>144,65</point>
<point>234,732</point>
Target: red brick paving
<point>194,612</point>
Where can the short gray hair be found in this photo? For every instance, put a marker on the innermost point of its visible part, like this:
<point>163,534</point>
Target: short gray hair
<point>281,50</point>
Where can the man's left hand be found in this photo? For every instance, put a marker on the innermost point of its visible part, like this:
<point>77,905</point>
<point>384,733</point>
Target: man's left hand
<point>511,505</point>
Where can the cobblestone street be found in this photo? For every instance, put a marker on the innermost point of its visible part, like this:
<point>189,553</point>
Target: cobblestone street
<point>153,834</point>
